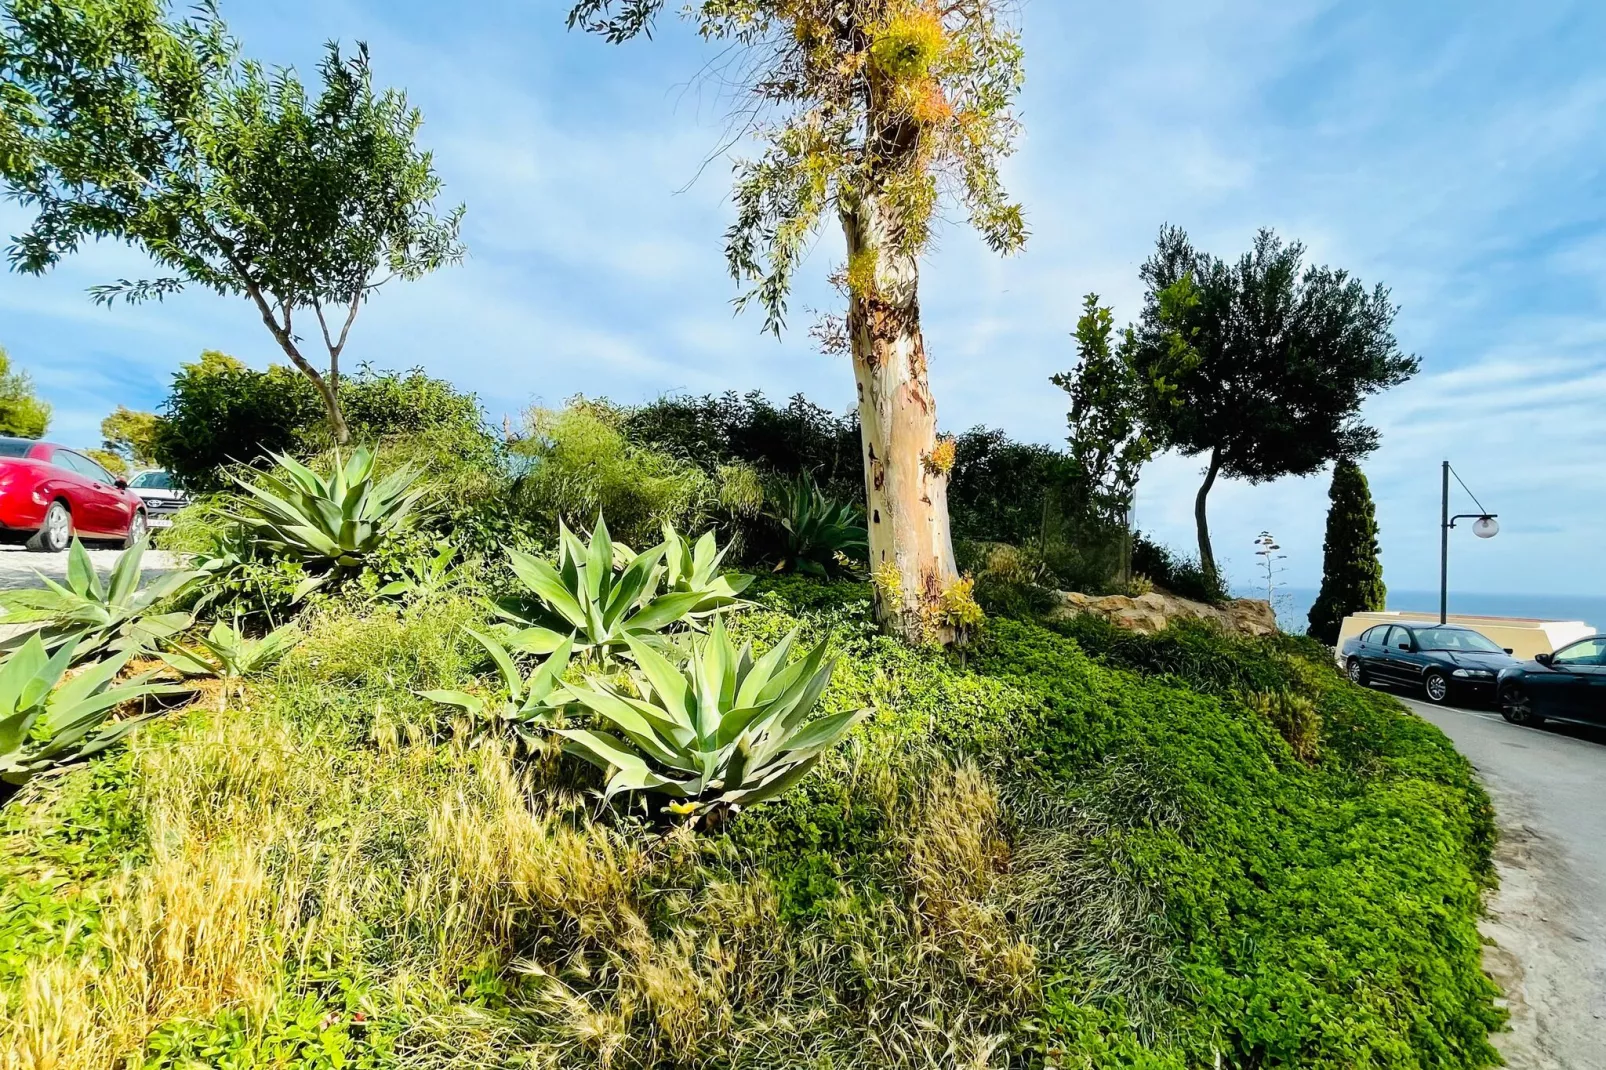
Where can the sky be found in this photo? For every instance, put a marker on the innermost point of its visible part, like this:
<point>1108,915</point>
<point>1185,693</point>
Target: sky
<point>1455,152</point>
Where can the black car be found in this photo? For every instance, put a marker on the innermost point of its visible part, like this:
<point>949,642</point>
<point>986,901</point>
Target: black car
<point>1569,685</point>
<point>1439,660</point>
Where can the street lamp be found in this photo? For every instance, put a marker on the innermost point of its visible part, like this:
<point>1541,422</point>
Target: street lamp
<point>1486,527</point>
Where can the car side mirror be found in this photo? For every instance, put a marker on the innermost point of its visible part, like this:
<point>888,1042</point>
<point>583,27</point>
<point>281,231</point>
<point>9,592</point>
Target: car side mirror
<point>120,483</point>
<point>1507,649</point>
<point>1543,659</point>
<point>1405,646</point>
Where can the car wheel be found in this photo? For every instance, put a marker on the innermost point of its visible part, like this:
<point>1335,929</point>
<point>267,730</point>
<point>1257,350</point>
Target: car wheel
<point>1356,672</point>
<point>1436,686</point>
<point>55,533</point>
<point>138,528</point>
<point>1518,708</point>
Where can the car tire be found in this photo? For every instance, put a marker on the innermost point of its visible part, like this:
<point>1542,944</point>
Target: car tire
<point>1518,708</point>
<point>1436,686</point>
<point>1356,672</point>
<point>56,531</point>
<point>138,528</point>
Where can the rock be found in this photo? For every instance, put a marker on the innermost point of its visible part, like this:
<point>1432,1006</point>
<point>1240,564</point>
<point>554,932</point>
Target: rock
<point>1152,612</point>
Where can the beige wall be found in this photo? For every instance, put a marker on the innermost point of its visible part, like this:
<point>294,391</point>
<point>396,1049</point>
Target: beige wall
<point>1525,638</point>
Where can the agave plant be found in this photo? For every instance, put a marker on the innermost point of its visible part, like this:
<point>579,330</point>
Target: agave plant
<point>43,725</point>
<point>423,576</point>
<point>600,593</point>
<point>92,616</point>
<point>523,702</point>
<point>333,524</point>
<point>820,533</point>
<point>722,731</point>
<point>229,655</point>
<point>695,569</point>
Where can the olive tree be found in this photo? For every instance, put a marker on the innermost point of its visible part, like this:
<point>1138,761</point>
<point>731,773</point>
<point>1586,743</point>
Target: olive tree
<point>872,112</point>
<point>119,121</point>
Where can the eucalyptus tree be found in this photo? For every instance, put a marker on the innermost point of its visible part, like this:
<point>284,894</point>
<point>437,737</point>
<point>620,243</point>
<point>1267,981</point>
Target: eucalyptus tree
<point>874,112</point>
<point>120,121</point>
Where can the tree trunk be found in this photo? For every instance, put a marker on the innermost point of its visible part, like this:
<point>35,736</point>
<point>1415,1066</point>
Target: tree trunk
<point>906,482</point>
<point>1207,559</point>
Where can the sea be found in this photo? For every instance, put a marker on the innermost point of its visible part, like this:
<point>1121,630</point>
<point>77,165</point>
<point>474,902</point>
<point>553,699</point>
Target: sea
<point>1293,605</point>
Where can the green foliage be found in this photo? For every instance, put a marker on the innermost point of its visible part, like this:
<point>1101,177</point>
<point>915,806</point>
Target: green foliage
<point>112,462</point>
<point>89,616</point>
<point>523,702</point>
<point>22,414</point>
<point>330,525</point>
<point>1273,394</point>
<point>229,655</point>
<point>1108,444</point>
<point>131,435</point>
<point>45,723</point>
<point>725,730</point>
<point>303,1031</point>
<point>821,535</point>
<point>221,413</point>
<point>243,183</point>
<point>600,594</point>
<point>580,463</point>
<point>695,569</point>
<point>1352,573</point>
<point>1178,573</point>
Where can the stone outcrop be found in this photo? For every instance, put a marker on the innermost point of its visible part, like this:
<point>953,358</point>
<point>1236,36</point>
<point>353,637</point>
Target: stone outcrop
<point>1149,613</point>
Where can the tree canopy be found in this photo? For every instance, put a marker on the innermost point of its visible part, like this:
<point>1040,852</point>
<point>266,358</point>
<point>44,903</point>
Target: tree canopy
<point>1261,364</point>
<point>1108,446</point>
<point>118,121</point>
<point>1352,574</point>
<point>131,435</point>
<point>22,413</point>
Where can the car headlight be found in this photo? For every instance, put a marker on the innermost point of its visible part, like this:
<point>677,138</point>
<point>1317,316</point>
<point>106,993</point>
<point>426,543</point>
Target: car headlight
<point>1472,672</point>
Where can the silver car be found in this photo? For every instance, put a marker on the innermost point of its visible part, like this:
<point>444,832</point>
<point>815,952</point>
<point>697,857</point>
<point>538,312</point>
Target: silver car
<point>162,499</point>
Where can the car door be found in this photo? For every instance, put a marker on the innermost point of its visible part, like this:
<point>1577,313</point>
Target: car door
<point>1369,650</point>
<point>1577,682</point>
<point>100,510</point>
<point>1398,661</point>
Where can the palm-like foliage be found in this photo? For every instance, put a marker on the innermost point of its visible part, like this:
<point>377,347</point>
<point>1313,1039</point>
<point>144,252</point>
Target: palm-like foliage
<point>228,655</point>
<point>695,569</point>
<point>43,725</point>
<point>820,533</point>
<point>92,616</point>
<point>724,730</point>
<point>329,524</point>
<point>523,702</point>
<point>600,593</point>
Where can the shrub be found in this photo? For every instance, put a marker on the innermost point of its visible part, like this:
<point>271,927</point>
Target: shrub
<point>222,413</point>
<point>581,464</point>
<point>1178,573</point>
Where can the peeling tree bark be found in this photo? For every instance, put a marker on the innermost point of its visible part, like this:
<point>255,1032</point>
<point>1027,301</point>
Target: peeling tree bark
<point>906,496</point>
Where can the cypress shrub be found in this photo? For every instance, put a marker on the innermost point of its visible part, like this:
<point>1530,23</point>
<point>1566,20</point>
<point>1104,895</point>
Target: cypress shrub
<point>1352,575</point>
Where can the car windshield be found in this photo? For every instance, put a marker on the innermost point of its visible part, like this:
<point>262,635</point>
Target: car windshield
<point>1454,639</point>
<point>152,481</point>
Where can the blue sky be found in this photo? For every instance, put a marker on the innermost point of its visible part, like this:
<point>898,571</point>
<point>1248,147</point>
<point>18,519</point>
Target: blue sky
<point>1453,151</point>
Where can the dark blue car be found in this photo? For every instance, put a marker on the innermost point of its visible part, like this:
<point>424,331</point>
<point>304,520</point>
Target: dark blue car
<point>1438,661</point>
<point>1569,685</point>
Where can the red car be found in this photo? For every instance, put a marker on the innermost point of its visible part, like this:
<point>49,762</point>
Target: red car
<point>49,493</point>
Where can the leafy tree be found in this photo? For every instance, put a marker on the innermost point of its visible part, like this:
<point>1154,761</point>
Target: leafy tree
<point>1352,574</point>
<point>22,414</point>
<point>869,110</point>
<point>119,122</point>
<point>111,460</point>
<point>130,436</point>
<point>1262,364</point>
<point>1108,444</point>
<point>221,412</point>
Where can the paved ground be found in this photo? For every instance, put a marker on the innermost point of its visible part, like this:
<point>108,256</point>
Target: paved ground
<point>1548,920</point>
<point>20,568</point>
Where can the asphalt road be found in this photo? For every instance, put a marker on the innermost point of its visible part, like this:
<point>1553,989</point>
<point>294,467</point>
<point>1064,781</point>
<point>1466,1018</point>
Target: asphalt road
<point>20,567</point>
<point>1548,919</point>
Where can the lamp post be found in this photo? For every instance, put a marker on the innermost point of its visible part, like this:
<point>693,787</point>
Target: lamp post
<point>1487,527</point>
